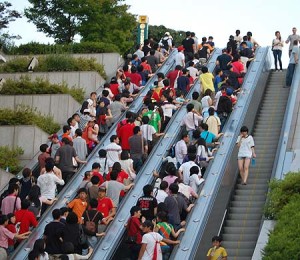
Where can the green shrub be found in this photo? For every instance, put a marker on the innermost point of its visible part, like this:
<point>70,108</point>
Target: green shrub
<point>284,241</point>
<point>24,115</point>
<point>281,192</point>
<point>83,47</point>
<point>9,157</point>
<point>57,62</point>
<point>24,86</point>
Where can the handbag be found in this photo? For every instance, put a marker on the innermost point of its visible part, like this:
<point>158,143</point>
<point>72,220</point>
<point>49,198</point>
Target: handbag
<point>82,239</point>
<point>131,240</point>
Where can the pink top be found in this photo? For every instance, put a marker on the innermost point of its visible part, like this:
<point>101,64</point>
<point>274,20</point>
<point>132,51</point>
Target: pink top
<point>8,204</point>
<point>5,234</point>
<point>170,179</point>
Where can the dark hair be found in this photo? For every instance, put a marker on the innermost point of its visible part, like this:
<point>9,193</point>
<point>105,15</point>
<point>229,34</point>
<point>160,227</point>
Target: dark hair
<point>201,141</point>
<point>204,126</point>
<point>66,128</point>
<point>105,93</point>
<point>43,147</point>
<point>82,190</point>
<point>189,107</point>
<point>117,167</point>
<point>174,188</point>
<point>184,135</point>
<point>163,185</point>
<point>38,249</point>
<point>25,204</point>
<point>160,75</point>
<point>194,170</point>
<point>196,134</point>
<point>102,153</point>
<point>56,214</point>
<point>34,196</point>
<point>145,120</point>
<point>134,209</point>
<point>208,92</point>
<point>216,238</point>
<point>204,69</point>
<point>172,170</point>
<point>78,132</point>
<point>237,32</point>
<point>95,166</point>
<point>113,138</point>
<point>124,155</point>
<point>65,140</point>
<point>136,129</point>
<point>133,69</point>
<point>166,82</point>
<point>192,156</point>
<point>72,218</point>
<point>26,172</point>
<point>95,180</point>
<point>114,175</point>
<point>63,210</point>
<point>147,189</point>
<point>152,52</point>
<point>3,219</point>
<point>49,165</point>
<point>244,129</point>
<point>211,111</point>
<point>68,248</point>
<point>148,223</point>
<point>12,187</point>
<point>178,67</point>
<point>195,95</point>
<point>163,216</point>
<point>94,203</point>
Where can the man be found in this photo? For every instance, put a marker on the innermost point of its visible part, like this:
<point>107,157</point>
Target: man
<point>189,46</point>
<point>224,60</point>
<point>73,124</point>
<point>184,169</point>
<point>92,103</point>
<point>158,53</point>
<point>196,103</point>
<point>135,77</point>
<point>151,243</point>
<point>181,148</point>
<point>176,206</point>
<point>155,119</point>
<point>105,205</point>
<point>125,130</point>
<point>192,70</point>
<point>294,59</point>
<point>166,43</point>
<point>25,217</point>
<point>293,37</point>
<point>224,107</point>
<point>213,122</point>
<point>54,144</point>
<point>64,159</point>
<point>53,234</point>
<point>191,120</point>
<point>79,204</point>
<point>67,132</point>
<point>113,151</point>
<point>138,147</point>
<point>79,145</point>
<point>117,108</point>
<point>180,59</point>
<point>183,82</point>
<point>209,137</point>
<point>153,61</point>
<point>148,203</point>
<point>44,148</point>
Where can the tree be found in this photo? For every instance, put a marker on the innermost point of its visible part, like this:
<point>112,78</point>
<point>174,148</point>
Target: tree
<point>157,32</point>
<point>59,19</point>
<point>109,21</point>
<point>7,15</point>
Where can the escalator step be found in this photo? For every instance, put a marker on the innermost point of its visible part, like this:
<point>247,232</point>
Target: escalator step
<point>239,244</point>
<point>245,203</point>
<point>257,181</point>
<point>245,217</point>
<point>238,230</point>
<point>238,237</point>
<point>253,197</point>
<point>242,223</point>
<point>244,210</point>
<point>243,254</point>
<point>243,192</point>
<point>253,186</point>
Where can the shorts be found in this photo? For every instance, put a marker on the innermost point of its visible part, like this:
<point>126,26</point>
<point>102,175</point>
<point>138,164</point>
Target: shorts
<point>244,157</point>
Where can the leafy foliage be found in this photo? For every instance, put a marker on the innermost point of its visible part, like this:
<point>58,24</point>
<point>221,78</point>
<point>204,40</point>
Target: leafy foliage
<point>282,191</point>
<point>24,86</point>
<point>9,157</point>
<point>24,115</point>
<point>7,15</point>
<point>53,63</point>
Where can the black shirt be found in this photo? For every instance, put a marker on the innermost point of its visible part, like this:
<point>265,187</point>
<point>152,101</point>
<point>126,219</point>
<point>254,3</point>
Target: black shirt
<point>224,105</point>
<point>147,205</point>
<point>188,44</point>
<point>223,60</point>
<point>53,231</point>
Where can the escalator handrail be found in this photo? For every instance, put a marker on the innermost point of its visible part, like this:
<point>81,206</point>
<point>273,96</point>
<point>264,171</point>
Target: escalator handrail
<point>197,219</point>
<point>70,189</point>
<point>287,127</point>
<point>107,246</point>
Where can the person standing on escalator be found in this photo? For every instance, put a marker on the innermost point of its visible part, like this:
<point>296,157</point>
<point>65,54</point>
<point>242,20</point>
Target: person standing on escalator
<point>245,143</point>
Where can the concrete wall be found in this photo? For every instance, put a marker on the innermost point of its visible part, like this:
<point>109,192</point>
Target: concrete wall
<point>4,178</point>
<point>28,137</point>
<point>110,61</point>
<point>60,106</point>
<point>89,80</point>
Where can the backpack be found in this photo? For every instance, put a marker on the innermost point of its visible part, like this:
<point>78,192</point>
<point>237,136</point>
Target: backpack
<point>172,151</point>
<point>90,224</point>
<point>165,44</point>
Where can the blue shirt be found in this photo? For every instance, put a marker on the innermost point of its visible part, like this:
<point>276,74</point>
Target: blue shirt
<point>208,136</point>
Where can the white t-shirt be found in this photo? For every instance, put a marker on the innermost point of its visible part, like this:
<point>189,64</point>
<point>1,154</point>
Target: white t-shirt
<point>185,169</point>
<point>113,151</point>
<point>204,103</point>
<point>125,165</point>
<point>180,151</point>
<point>194,182</point>
<point>246,145</point>
<point>168,109</point>
<point>150,239</point>
<point>161,195</point>
<point>148,131</point>
<point>47,183</point>
<point>191,121</point>
<point>217,98</point>
<point>193,72</point>
<point>180,59</point>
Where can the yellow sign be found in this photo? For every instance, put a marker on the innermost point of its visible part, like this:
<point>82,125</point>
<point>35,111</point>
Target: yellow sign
<point>143,19</point>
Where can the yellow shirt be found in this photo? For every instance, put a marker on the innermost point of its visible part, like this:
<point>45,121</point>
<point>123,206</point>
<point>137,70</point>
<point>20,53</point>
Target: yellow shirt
<point>206,80</point>
<point>218,254</point>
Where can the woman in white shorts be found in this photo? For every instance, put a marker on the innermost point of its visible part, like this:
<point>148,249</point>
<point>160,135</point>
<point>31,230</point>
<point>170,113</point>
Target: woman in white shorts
<point>245,143</point>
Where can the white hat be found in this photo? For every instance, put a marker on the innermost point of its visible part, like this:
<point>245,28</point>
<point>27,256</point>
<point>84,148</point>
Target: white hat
<point>167,33</point>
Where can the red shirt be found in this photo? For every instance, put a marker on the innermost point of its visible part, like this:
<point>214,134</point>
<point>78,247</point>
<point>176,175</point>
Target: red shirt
<point>172,75</point>
<point>133,227</point>
<point>67,136</point>
<point>105,205</point>
<point>100,177</point>
<point>127,74</point>
<point>121,177</point>
<point>146,66</point>
<point>12,229</point>
<point>136,79</point>
<point>27,220</point>
<point>125,132</point>
<point>114,88</point>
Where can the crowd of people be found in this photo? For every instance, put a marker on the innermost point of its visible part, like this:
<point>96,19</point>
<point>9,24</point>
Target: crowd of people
<point>159,215</point>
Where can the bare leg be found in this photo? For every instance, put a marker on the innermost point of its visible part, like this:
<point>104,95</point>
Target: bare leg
<point>246,169</point>
<point>241,168</point>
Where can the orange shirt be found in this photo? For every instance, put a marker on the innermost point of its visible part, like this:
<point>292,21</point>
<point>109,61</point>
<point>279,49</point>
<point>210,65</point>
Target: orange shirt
<point>78,206</point>
<point>65,135</point>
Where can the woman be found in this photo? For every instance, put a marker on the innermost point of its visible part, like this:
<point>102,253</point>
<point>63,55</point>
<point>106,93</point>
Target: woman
<point>277,45</point>
<point>203,154</point>
<point>38,251</point>
<point>206,101</point>
<point>172,175</point>
<point>103,115</point>
<point>127,164</point>
<point>245,144</point>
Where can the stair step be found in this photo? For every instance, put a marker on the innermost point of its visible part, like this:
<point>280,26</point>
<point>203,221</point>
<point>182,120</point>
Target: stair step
<point>237,237</point>
<point>249,192</point>
<point>242,223</point>
<point>238,230</point>
<point>245,217</point>
<point>252,197</point>
<point>257,181</point>
<point>245,203</point>
<point>237,254</point>
<point>253,186</point>
<point>245,210</point>
<point>239,244</point>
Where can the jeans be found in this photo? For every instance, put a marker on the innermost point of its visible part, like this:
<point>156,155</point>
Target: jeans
<point>290,74</point>
<point>223,120</point>
<point>137,164</point>
<point>277,56</point>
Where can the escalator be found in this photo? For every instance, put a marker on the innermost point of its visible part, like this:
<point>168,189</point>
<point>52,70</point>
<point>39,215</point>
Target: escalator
<point>241,227</point>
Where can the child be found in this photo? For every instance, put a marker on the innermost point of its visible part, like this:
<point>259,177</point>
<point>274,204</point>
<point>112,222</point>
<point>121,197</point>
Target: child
<point>217,252</point>
<point>79,205</point>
